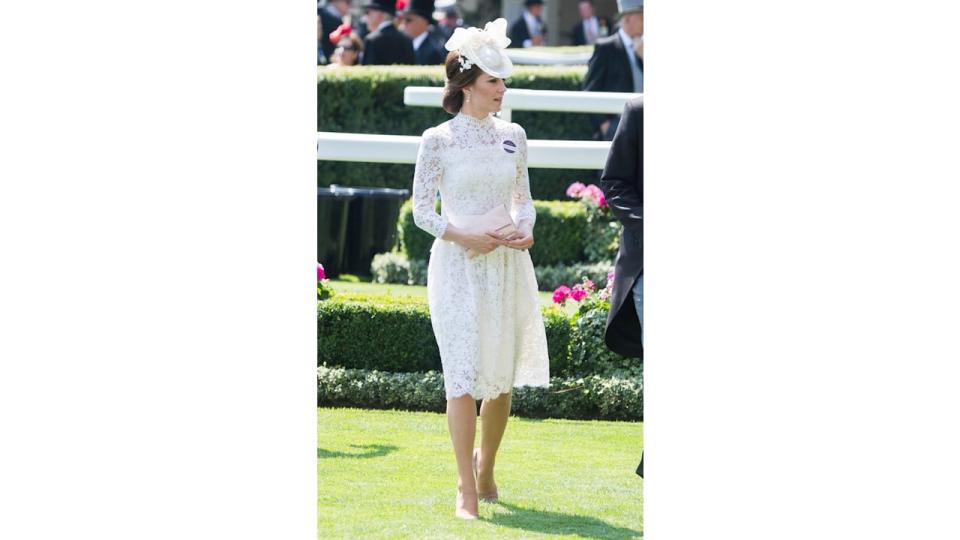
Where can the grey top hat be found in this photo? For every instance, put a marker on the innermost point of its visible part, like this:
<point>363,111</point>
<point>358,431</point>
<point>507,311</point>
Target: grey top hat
<point>629,6</point>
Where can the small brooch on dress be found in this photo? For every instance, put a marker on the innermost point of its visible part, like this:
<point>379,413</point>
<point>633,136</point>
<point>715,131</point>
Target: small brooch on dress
<point>509,146</point>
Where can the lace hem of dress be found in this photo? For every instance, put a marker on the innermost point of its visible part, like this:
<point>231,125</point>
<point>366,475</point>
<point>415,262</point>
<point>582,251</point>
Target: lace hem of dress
<point>491,392</point>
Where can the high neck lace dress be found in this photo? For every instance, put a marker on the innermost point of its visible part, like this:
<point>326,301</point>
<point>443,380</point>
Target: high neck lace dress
<point>485,311</point>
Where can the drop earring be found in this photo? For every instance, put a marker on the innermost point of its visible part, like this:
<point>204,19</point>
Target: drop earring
<point>468,98</point>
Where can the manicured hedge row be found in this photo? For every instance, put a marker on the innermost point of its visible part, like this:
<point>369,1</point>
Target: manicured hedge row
<point>398,336</point>
<point>551,277</point>
<point>560,233</point>
<point>396,267</point>
<point>594,397</point>
<point>369,99</point>
<point>415,242</point>
<point>368,335</point>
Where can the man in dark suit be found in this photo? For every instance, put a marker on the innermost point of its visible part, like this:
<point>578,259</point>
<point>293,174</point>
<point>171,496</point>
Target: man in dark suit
<point>331,17</point>
<point>529,30</point>
<point>385,44</point>
<point>616,65</point>
<point>590,28</point>
<point>416,25</point>
<point>622,185</point>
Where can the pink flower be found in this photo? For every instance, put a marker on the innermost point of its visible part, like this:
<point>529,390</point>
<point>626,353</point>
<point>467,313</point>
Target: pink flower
<point>575,189</point>
<point>596,194</point>
<point>591,191</point>
<point>321,273</point>
<point>601,200</point>
<point>604,294</point>
<point>578,293</point>
<point>609,277</point>
<point>560,294</point>
<point>588,285</point>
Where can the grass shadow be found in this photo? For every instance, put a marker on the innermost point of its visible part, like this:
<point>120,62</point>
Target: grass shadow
<point>558,523</point>
<point>369,451</point>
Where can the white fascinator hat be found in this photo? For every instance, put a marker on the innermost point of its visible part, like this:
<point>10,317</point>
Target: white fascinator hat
<point>484,48</point>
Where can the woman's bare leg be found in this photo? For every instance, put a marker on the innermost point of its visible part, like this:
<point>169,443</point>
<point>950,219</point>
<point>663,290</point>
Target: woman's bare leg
<point>462,422</point>
<point>493,415</point>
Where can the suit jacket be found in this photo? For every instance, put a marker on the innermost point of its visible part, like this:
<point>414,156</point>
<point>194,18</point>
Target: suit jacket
<point>609,71</point>
<point>622,185</point>
<point>580,34</point>
<point>430,52</point>
<point>388,46</point>
<point>329,23</point>
<point>520,33</point>
<point>360,27</point>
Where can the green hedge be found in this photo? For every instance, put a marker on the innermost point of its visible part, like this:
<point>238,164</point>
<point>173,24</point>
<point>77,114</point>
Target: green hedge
<point>589,354</point>
<point>593,397</point>
<point>560,233</point>
<point>346,330</point>
<point>551,277</point>
<point>415,242</point>
<point>401,324</point>
<point>403,334</point>
<point>369,99</point>
<point>396,267</point>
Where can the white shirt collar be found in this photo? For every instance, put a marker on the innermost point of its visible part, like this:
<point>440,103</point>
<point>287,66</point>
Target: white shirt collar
<point>385,24</point>
<point>626,39</point>
<point>417,41</point>
<point>532,23</point>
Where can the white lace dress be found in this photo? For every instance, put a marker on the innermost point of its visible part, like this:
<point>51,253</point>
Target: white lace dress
<point>485,311</point>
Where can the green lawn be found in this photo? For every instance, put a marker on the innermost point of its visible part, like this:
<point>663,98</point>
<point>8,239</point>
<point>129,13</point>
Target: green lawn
<point>391,474</point>
<point>417,291</point>
<point>390,289</point>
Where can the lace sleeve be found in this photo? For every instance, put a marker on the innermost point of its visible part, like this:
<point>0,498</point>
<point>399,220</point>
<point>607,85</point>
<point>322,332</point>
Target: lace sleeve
<point>426,181</point>
<point>523,208</point>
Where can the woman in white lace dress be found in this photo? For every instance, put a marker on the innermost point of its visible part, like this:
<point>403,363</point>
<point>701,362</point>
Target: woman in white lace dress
<point>485,310</point>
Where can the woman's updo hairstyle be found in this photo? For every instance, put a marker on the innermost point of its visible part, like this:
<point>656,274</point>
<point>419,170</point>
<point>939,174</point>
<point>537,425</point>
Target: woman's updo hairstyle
<point>456,81</point>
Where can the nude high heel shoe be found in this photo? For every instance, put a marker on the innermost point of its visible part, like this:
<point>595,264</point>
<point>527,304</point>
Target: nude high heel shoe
<point>490,497</point>
<point>461,512</point>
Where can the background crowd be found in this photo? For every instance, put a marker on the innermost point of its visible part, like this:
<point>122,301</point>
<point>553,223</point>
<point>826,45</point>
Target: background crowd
<point>413,32</point>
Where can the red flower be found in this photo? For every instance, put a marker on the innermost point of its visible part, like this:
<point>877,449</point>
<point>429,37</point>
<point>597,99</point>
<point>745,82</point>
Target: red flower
<point>321,273</point>
<point>602,201</point>
<point>560,294</point>
<point>578,293</point>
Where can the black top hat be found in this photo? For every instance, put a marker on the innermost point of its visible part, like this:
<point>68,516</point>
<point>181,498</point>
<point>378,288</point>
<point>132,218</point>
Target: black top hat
<point>532,2</point>
<point>387,6</point>
<point>423,8</point>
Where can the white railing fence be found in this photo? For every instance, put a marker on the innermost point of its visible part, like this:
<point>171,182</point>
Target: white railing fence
<point>521,56</point>
<point>543,154</point>
<point>520,99</point>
